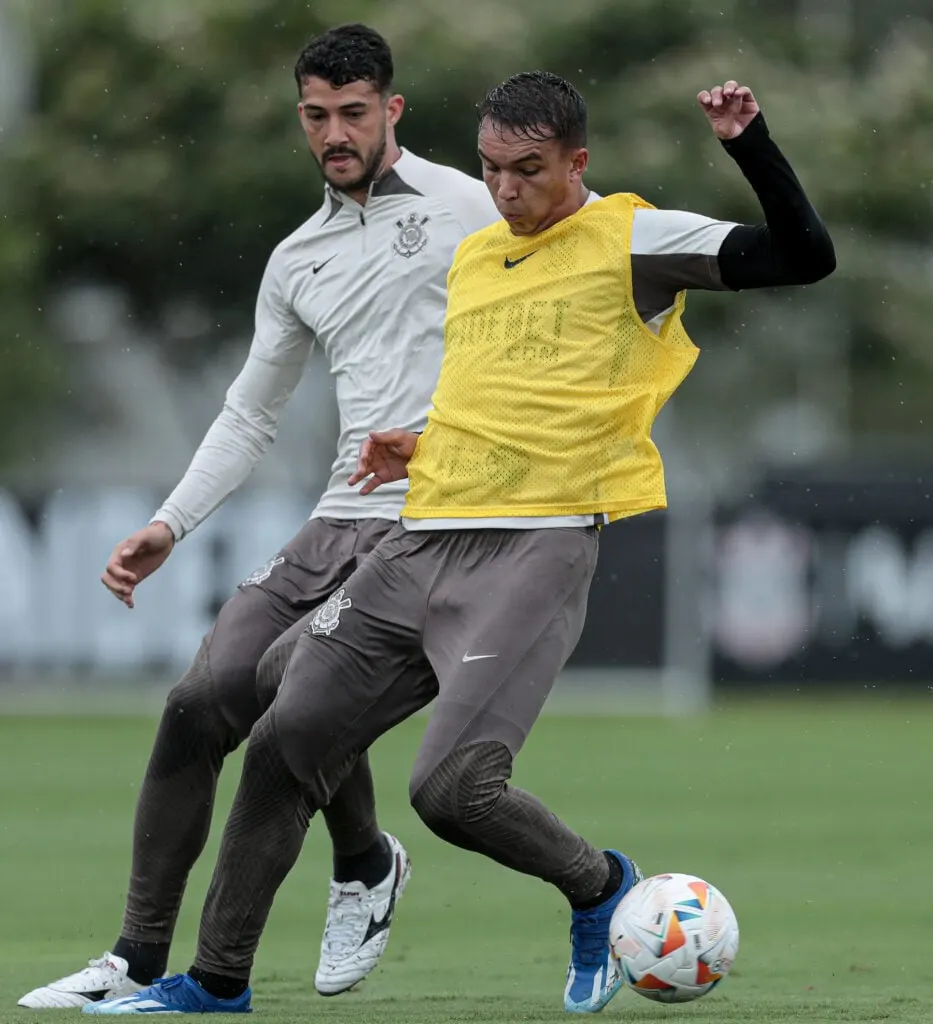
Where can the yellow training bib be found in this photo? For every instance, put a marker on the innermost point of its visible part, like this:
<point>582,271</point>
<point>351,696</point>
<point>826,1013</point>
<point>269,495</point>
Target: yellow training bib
<point>550,382</point>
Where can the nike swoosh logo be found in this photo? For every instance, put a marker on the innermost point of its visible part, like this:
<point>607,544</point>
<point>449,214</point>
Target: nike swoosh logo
<point>477,657</point>
<point>96,997</point>
<point>508,264</point>
<point>321,266</point>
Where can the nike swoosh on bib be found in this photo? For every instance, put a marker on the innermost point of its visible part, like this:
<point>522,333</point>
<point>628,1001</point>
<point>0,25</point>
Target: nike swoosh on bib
<point>508,264</point>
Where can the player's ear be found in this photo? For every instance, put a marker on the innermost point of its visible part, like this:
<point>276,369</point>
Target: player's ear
<point>395,105</point>
<point>578,160</point>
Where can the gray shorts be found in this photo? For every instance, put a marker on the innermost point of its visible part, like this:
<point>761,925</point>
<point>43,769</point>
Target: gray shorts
<point>278,595</point>
<point>323,554</point>
<point>483,620</point>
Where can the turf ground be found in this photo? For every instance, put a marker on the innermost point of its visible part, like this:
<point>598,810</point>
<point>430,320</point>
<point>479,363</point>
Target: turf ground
<point>816,819</point>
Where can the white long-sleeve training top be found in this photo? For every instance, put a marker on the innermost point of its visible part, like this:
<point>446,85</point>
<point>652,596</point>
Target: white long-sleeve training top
<point>368,284</point>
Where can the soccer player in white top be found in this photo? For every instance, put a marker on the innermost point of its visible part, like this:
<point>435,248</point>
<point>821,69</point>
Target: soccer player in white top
<point>365,278</point>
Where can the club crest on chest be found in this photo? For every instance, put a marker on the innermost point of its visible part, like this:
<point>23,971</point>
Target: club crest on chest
<point>412,236</point>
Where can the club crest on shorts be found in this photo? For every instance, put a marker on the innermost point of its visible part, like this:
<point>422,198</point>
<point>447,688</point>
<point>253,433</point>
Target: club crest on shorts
<point>327,618</point>
<point>261,574</point>
<point>412,237</point>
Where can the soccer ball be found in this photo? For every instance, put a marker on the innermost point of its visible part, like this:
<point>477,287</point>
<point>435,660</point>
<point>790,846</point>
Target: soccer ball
<point>674,937</point>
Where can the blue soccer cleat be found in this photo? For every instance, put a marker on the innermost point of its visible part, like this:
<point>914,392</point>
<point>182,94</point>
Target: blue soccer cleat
<point>178,994</point>
<point>593,976</point>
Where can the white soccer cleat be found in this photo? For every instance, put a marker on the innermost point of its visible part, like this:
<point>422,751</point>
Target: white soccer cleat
<point>105,978</point>
<point>358,922</point>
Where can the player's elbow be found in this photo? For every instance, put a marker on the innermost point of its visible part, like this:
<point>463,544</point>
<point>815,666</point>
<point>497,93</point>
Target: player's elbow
<point>256,429</point>
<point>819,261</point>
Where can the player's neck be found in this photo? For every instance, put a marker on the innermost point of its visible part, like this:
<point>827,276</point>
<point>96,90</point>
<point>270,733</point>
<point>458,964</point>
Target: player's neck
<point>392,154</point>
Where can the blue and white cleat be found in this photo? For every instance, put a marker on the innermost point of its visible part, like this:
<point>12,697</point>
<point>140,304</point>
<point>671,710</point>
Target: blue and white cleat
<point>593,976</point>
<point>178,994</point>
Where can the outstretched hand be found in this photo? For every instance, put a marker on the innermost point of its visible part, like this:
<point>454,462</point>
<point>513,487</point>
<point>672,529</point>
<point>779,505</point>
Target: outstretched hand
<point>135,558</point>
<point>383,458</point>
<point>729,108</point>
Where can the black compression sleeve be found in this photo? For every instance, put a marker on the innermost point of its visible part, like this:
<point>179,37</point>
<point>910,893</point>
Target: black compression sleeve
<point>793,247</point>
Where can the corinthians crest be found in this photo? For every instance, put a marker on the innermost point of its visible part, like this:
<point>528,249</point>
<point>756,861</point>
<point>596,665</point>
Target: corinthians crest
<point>261,574</point>
<point>412,237</point>
<point>327,618</point>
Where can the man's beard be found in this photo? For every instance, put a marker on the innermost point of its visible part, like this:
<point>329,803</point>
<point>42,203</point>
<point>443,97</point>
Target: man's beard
<point>370,171</point>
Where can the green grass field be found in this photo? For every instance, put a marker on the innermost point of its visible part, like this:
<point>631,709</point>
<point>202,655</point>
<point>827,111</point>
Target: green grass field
<point>816,819</point>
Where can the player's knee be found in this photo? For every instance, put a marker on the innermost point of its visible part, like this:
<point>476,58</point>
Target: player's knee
<point>233,688</point>
<point>218,691</point>
<point>271,670</point>
<point>297,731</point>
<point>464,788</point>
<point>193,726</point>
<point>267,778</point>
<point>290,738</point>
<point>191,699</point>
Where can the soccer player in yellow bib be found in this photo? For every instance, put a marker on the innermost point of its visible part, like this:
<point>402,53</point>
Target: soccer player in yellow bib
<point>563,341</point>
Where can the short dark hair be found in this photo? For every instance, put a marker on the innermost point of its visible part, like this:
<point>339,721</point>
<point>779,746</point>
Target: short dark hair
<point>345,54</point>
<point>538,105</point>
